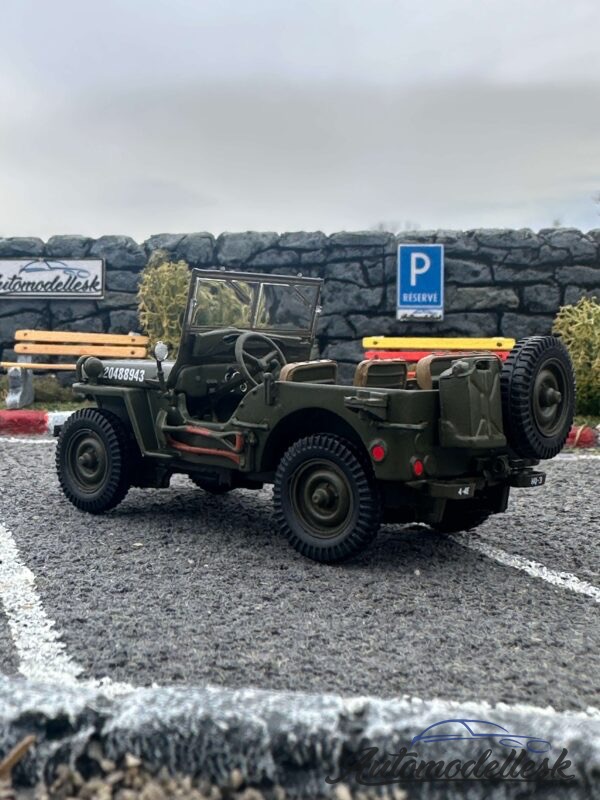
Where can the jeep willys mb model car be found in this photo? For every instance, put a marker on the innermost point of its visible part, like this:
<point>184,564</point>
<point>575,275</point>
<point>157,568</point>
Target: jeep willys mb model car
<point>244,405</point>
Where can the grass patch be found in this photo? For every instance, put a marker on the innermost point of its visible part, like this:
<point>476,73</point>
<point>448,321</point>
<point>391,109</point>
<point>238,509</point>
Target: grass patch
<point>592,421</point>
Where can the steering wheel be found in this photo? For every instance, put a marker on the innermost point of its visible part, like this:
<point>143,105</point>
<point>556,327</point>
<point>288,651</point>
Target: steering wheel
<point>252,367</point>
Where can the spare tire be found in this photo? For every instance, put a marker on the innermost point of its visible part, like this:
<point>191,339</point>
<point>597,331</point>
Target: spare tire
<point>538,397</point>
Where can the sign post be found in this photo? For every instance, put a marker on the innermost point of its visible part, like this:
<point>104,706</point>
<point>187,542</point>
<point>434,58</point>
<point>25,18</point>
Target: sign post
<point>420,282</point>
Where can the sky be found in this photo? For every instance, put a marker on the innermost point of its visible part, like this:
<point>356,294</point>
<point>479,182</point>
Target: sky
<point>150,116</point>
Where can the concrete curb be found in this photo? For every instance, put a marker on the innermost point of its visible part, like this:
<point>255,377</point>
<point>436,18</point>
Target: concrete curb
<point>293,740</point>
<point>31,423</point>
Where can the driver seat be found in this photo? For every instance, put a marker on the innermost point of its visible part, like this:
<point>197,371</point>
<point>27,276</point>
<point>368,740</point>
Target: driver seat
<point>322,371</point>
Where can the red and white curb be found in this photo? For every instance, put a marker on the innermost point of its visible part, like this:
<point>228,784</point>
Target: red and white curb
<point>31,423</point>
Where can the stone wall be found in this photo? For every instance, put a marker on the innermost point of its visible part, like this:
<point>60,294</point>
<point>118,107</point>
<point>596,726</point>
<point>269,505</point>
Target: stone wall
<point>508,282</point>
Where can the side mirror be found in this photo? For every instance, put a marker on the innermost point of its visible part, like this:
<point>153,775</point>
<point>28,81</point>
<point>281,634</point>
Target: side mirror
<point>161,351</point>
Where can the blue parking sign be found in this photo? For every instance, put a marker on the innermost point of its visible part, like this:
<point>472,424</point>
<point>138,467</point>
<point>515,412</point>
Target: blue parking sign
<point>420,282</point>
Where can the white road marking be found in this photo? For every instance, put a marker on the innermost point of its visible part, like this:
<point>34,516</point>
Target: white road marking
<point>28,439</point>
<point>564,580</point>
<point>42,655</point>
<point>581,456</point>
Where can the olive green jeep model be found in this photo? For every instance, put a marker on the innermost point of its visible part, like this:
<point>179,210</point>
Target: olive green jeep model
<point>244,405</point>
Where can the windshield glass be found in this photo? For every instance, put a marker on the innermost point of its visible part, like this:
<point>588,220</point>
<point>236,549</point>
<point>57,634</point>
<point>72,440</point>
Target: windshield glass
<point>256,305</point>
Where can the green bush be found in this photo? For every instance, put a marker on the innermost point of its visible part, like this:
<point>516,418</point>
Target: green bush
<point>579,328</point>
<point>162,297</point>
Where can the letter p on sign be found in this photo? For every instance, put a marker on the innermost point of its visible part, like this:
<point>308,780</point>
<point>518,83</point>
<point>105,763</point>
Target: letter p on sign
<point>417,258</point>
<point>420,282</point>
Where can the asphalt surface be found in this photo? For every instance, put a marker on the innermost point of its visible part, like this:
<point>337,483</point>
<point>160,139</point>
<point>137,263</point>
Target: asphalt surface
<point>179,587</point>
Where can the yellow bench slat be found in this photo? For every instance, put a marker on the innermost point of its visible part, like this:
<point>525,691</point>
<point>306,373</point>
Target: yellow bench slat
<point>31,365</point>
<point>67,337</point>
<point>436,343</point>
<point>30,348</point>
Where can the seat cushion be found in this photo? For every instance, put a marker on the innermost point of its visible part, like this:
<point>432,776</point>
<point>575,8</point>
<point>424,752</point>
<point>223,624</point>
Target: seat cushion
<point>388,374</point>
<point>323,371</point>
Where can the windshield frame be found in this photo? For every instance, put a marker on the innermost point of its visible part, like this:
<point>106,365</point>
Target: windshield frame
<point>262,279</point>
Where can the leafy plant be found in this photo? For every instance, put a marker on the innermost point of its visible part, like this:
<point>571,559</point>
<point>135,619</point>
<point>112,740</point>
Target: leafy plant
<point>162,297</point>
<point>579,327</point>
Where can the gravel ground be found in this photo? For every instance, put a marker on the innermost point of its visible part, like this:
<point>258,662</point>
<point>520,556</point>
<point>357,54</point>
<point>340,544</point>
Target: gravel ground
<point>177,586</point>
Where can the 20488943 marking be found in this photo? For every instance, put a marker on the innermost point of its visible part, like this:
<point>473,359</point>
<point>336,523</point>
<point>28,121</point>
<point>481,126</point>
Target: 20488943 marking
<point>243,405</point>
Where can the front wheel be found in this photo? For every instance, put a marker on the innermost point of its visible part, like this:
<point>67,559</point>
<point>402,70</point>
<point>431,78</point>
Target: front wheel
<point>325,498</point>
<point>92,460</point>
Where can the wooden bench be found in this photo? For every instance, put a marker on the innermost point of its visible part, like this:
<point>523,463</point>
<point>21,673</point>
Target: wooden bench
<point>63,344</point>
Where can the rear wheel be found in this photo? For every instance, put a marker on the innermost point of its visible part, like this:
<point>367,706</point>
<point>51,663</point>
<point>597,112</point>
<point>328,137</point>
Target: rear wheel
<point>538,397</point>
<point>93,459</point>
<point>325,498</point>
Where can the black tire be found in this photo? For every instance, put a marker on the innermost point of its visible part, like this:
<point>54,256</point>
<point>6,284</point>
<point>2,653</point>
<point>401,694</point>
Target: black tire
<point>459,516</point>
<point>538,397</point>
<point>325,499</point>
<point>93,459</point>
<point>212,487</point>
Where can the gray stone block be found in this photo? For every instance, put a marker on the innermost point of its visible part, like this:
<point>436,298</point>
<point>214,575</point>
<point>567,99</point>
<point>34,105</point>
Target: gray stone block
<point>300,240</point>
<point>582,276</point>
<point>466,272</point>
<point>541,298</point>
<point>234,249</point>
<point>93,324</point>
<point>197,249</point>
<point>340,298</point>
<point>461,324</point>
<point>360,238</point>
<point>312,257</point>
<point>21,246</point>
<point>365,325</point>
<point>456,243</point>
<point>122,280</point>
<point>12,306</point>
<point>68,246</point>
<point>550,256</point>
<point>582,249</point>
<point>118,300</point>
<point>521,274</point>
<point>507,239</point>
<point>124,322</point>
<point>575,293</point>
<point>23,321</point>
<point>271,259</point>
<point>119,252</point>
<point>418,237</point>
<point>353,253</point>
<point>349,272</point>
<point>335,326</point>
<point>480,298</point>
<point>169,242</point>
<point>68,310</point>
<point>520,325</point>
<point>344,350</point>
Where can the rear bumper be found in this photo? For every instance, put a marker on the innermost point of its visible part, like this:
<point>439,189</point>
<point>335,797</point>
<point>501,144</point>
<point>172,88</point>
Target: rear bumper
<point>468,488</point>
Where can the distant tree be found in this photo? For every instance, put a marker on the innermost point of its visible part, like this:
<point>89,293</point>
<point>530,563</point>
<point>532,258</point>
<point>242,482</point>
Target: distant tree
<point>396,227</point>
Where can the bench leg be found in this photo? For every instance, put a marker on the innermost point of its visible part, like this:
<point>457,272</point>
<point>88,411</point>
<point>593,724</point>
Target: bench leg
<point>20,386</point>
